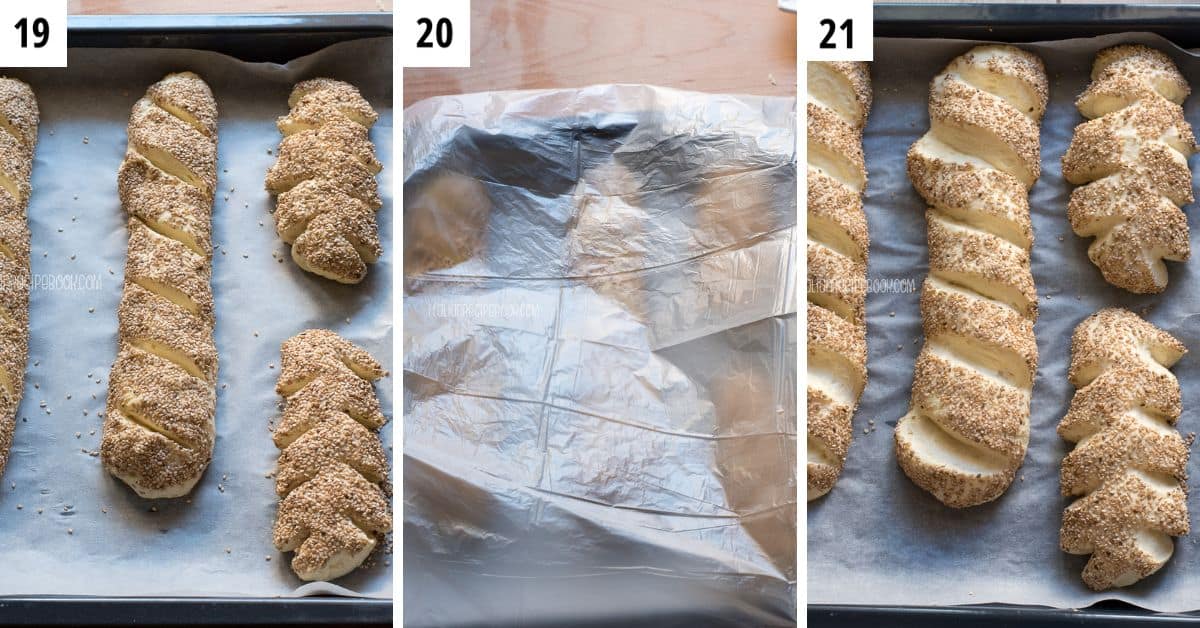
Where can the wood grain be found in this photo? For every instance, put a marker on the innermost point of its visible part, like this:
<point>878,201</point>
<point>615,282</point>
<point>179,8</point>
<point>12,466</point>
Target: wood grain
<point>707,45</point>
<point>108,7</point>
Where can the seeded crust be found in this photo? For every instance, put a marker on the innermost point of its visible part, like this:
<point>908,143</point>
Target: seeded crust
<point>325,181</point>
<point>159,429</point>
<point>1128,467</point>
<point>957,104</point>
<point>331,464</point>
<point>1130,160</point>
<point>837,264</point>
<point>967,428</point>
<point>19,118</point>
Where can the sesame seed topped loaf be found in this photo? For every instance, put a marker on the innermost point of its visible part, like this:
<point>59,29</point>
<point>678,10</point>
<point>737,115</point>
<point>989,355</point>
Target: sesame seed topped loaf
<point>325,181</point>
<point>839,99</point>
<point>160,423</point>
<point>1130,160</point>
<point>19,119</point>
<point>967,427</point>
<point>1129,465</point>
<point>331,463</point>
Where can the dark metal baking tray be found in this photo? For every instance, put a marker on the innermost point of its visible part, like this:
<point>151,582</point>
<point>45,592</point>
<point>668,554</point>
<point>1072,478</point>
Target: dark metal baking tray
<point>276,38</point>
<point>1019,23</point>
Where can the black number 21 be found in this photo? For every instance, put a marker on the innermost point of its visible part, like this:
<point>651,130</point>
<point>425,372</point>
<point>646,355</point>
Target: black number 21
<point>831,28</point>
<point>41,31</point>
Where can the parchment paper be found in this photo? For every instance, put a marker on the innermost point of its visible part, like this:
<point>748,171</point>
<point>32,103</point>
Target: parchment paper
<point>599,403</point>
<point>877,538</point>
<point>66,526</point>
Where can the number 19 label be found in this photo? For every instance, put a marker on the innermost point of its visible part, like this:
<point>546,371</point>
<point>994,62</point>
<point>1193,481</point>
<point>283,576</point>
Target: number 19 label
<point>836,31</point>
<point>33,34</point>
<point>434,33</point>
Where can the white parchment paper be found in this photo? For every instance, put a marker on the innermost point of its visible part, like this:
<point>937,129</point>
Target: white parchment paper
<point>877,538</point>
<point>67,527</point>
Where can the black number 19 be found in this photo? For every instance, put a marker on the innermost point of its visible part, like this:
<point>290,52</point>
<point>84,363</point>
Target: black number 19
<point>831,27</point>
<point>41,31</point>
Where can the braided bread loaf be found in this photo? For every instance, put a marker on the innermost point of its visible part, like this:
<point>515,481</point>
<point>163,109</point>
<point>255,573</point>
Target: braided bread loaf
<point>967,428</point>
<point>1128,465</point>
<point>325,180</point>
<point>332,462</point>
<point>159,429</point>
<point>839,99</point>
<point>1132,155</point>
<point>19,119</point>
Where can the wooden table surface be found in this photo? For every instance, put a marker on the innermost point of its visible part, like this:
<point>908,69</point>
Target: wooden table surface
<point>224,6</point>
<point>727,46</point>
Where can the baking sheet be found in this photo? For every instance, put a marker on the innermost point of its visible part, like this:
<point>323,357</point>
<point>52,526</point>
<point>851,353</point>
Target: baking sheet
<point>600,400</point>
<point>67,527</point>
<point>877,538</point>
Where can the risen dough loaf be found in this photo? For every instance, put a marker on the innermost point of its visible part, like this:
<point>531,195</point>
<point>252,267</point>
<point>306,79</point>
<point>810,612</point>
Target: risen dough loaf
<point>325,180</point>
<point>331,462</point>
<point>444,222</point>
<point>1130,159</point>
<point>967,427</point>
<point>1129,465</point>
<point>839,100</point>
<point>159,428</point>
<point>19,118</point>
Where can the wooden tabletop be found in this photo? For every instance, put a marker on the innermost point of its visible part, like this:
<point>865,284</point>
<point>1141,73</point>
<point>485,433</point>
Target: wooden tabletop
<point>106,7</point>
<point>743,46</point>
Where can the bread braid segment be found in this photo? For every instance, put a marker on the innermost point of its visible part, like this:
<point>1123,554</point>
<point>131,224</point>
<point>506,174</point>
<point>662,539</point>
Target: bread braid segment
<point>19,119</point>
<point>332,511</point>
<point>1130,160</point>
<point>839,101</point>
<point>159,426</point>
<point>967,428</point>
<point>325,181</point>
<point>1128,466</point>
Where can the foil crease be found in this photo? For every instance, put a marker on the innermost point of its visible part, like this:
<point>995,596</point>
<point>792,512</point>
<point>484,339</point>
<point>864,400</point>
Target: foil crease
<point>600,351</point>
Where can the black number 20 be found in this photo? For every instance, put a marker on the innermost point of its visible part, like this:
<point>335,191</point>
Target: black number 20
<point>444,33</point>
<point>41,31</point>
<point>831,28</point>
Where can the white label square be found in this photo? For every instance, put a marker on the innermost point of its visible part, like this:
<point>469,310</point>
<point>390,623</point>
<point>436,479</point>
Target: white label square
<point>33,34</point>
<point>836,31</point>
<point>434,33</point>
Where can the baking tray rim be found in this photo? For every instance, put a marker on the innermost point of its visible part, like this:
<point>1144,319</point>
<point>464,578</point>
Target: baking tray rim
<point>1007,21</point>
<point>169,23</point>
<point>987,615</point>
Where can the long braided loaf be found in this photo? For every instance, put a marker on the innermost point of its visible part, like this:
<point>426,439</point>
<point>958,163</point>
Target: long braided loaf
<point>159,428</point>
<point>1129,465</point>
<point>331,461</point>
<point>839,100</point>
<point>1132,155</point>
<point>967,428</point>
<point>19,119</point>
<point>325,180</point>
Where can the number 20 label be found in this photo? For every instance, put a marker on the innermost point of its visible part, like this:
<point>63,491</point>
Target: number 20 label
<point>434,33</point>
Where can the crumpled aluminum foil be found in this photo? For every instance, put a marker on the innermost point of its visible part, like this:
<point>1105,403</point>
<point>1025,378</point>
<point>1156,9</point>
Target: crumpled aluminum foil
<point>600,351</point>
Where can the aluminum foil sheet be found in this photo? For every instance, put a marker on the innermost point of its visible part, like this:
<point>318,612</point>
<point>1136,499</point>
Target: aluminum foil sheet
<point>877,538</point>
<point>600,348</point>
<point>66,526</point>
